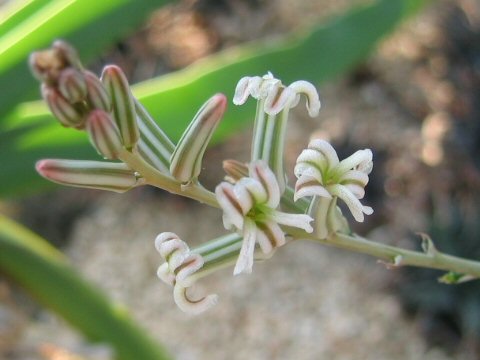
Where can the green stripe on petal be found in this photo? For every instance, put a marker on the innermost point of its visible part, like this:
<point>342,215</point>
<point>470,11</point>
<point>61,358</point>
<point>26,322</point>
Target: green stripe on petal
<point>186,160</point>
<point>104,134</point>
<point>154,145</point>
<point>123,105</point>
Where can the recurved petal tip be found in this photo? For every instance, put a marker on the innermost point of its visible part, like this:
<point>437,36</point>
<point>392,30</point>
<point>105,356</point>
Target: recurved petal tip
<point>307,89</point>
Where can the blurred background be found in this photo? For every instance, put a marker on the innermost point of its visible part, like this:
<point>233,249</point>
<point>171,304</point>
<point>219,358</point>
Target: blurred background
<point>414,100</point>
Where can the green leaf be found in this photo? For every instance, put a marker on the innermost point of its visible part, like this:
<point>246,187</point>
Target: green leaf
<point>46,274</point>
<point>29,133</point>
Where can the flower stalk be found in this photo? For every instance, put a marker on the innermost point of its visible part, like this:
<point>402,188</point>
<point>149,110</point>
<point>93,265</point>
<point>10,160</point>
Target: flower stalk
<point>260,210</point>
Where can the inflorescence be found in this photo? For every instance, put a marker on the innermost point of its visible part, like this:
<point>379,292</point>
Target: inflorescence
<point>260,210</point>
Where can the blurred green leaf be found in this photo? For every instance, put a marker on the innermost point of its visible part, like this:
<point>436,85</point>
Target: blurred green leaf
<point>29,133</point>
<point>45,273</point>
<point>89,25</point>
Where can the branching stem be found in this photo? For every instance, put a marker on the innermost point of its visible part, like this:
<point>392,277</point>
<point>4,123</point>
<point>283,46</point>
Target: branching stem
<point>156,178</point>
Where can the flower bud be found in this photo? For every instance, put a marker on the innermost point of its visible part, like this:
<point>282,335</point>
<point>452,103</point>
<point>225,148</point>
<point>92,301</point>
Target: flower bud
<point>186,160</point>
<point>47,65</point>
<point>104,134</point>
<point>68,114</point>
<point>235,169</point>
<point>72,85</point>
<point>154,145</point>
<point>89,174</point>
<point>97,97</point>
<point>123,105</point>
<point>67,53</point>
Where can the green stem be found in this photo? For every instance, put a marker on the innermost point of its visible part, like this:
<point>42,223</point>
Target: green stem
<point>396,256</point>
<point>156,178</point>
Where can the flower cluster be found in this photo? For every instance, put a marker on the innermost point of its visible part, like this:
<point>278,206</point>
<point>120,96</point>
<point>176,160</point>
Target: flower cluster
<point>254,196</point>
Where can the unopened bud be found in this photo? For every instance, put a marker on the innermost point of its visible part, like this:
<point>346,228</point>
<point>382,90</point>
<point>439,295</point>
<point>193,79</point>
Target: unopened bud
<point>104,134</point>
<point>154,145</point>
<point>186,161</point>
<point>123,105</point>
<point>68,114</point>
<point>89,174</point>
<point>67,53</point>
<point>235,169</point>
<point>72,85</point>
<point>97,96</point>
<point>47,65</point>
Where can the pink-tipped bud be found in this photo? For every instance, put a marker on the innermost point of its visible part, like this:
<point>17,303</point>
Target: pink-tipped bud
<point>72,85</point>
<point>186,160</point>
<point>88,174</point>
<point>97,96</point>
<point>123,105</point>
<point>68,114</point>
<point>104,134</point>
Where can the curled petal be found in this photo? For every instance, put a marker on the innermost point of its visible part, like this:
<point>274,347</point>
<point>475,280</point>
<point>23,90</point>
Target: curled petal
<point>244,197</point>
<point>190,306</point>
<point>366,166</point>
<point>254,87</point>
<point>354,177</point>
<point>165,274</point>
<point>191,264</point>
<point>354,205</point>
<point>307,89</point>
<point>269,236</point>
<point>308,170</point>
<point>260,171</point>
<point>245,259</point>
<point>254,190</point>
<point>300,221</point>
<point>278,99</point>
<point>172,249</point>
<point>356,189</point>
<point>309,186</point>
<point>232,210</point>
<point>242,91</point>
<point>361,158</point>
<point>327,150</point>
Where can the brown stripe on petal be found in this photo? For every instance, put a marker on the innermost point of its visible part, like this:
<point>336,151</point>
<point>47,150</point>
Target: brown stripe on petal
<point>232,199</point>
<point>263,227</point>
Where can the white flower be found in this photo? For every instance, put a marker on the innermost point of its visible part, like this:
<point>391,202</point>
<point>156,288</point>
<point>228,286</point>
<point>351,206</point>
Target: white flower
<point>320,173</point>
<point>277,96</point>
<point>249,207</point>
<point>179,270</point>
